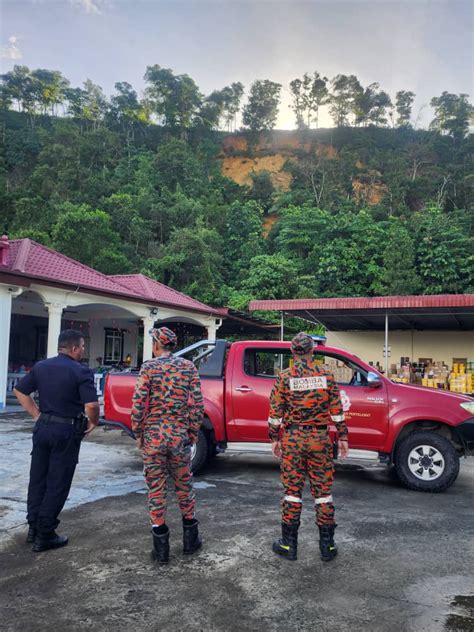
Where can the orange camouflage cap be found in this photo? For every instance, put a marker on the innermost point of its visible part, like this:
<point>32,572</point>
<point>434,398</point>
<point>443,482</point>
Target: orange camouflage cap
<point>164,336</point>
<point>301,344</point>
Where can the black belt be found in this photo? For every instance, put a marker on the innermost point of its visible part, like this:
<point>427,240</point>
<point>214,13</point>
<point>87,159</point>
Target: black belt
<point>312,426</point>
<point>61,420</point>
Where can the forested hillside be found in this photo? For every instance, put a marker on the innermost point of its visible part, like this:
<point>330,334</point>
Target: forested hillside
<point>371,206</point>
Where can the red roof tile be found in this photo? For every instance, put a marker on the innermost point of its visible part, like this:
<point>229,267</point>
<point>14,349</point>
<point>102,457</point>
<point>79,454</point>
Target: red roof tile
<point>160,293</point>
<point>36,261</point>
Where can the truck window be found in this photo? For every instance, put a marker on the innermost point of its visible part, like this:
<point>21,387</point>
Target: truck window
<point>345,372</point>
<point>266,362</point>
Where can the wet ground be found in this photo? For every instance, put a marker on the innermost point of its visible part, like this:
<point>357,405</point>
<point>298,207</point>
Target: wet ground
<point>406,559</point>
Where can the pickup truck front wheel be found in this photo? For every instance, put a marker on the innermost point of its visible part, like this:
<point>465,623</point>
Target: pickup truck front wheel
<point>426,462</point>
<point>199,452</point>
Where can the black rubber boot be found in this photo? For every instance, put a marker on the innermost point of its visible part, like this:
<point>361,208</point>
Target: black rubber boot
<point>287,545</point>
<point>161,546</point>
<point>326,542</point>
<point>30,538</point>
<point>191,540</point>
<point>47,541</point>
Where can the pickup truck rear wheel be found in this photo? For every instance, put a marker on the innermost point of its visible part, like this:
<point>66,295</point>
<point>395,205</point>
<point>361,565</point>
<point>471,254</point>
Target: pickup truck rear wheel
<point>426,462</point>
<point>199,452</point>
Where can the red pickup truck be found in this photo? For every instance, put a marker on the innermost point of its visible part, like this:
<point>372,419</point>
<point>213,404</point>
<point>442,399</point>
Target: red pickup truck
<point>421,431</point>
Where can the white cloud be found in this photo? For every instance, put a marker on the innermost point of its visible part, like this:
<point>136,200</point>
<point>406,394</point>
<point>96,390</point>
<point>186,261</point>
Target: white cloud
<point>11,50</point>
<point>89,6</point>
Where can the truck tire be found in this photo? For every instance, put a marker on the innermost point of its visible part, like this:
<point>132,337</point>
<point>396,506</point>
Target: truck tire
<point>426,462</point>
<point>199,452</point>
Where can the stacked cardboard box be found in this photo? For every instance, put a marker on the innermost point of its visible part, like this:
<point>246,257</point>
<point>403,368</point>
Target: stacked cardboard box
<point>436,375</point>
<point>342,373</point>
<point>462,376</point>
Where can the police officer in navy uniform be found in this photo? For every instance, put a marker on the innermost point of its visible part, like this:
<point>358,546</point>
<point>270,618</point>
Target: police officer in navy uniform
<point>65,388</point>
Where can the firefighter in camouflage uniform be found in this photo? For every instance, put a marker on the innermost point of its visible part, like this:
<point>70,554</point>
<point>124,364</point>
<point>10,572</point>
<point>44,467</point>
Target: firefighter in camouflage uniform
<point>304,401</point>
<point>166,416</point>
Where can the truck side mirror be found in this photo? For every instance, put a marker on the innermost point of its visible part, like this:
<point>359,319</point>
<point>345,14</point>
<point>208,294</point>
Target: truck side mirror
<point>373,379</point>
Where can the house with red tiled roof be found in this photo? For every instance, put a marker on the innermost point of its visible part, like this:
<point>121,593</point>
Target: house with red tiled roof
<point>43,291</point>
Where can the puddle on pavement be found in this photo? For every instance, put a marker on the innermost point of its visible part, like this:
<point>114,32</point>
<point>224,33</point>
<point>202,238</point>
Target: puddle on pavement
<point>463,619</point>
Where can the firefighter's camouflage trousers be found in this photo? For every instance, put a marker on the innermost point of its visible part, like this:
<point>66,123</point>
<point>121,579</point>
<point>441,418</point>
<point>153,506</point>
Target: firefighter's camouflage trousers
<point>307,449</point>
<point>167,449</point>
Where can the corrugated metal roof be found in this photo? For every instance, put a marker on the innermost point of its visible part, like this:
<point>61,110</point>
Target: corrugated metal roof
<point>366,303</point>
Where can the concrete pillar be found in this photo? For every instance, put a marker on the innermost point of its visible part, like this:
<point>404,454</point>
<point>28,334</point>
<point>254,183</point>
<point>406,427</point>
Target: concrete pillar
<point>148,323</point>
<point>5,321</point>
<point>55,312</point>
<point>212,329</point>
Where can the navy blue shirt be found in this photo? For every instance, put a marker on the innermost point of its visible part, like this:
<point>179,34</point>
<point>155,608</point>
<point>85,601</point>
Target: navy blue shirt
<point>63,385</point>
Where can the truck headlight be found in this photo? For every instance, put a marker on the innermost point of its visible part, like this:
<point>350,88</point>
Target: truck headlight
<point>469,406</point>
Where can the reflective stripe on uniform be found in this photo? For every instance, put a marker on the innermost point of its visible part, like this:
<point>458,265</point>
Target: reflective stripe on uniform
<point>292,499</point>
<point>275,421</point>
<point>321,501</point>
<point>337,418</point>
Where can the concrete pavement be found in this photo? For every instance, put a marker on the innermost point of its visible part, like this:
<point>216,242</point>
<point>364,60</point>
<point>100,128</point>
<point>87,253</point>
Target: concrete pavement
<point>406,559</point>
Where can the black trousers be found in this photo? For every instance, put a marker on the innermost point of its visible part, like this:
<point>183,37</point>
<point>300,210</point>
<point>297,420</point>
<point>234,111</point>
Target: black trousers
<point>53,461</point>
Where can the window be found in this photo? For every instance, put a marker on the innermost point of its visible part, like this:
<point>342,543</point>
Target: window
<point>266,362</point>
<point>113,346</point>
<point>345,372</point>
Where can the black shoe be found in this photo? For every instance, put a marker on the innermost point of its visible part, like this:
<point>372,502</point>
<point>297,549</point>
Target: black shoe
<point>287,545</point>
<point>191,540</point>
<point>161,547</point>
<point>44,542</point>
<point>326,542</point>
<point>30,538</point>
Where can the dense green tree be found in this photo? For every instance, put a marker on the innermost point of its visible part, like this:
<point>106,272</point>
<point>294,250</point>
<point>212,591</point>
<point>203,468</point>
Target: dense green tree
<point>132,228</point>
<point>262,190</point>
<point>452,114</point>
<point>404,102</point>
<point>177,165</point>
<point>344,89</point>
<point>175,99</point>
<point>370,105</point>
<point>309,94</point>
<point>49,88</point>
<point>126,106</point>
<point>271,277</point>
<point>232,96</point>
<point>299,229</point>
<point>77,233</point>
<point>444,253</point>
<point>95,104</point>
<point>242,238</point>
<point>18,87</point>
<point>400,276</point>
<point>191,260</point>
<point>261,110</point>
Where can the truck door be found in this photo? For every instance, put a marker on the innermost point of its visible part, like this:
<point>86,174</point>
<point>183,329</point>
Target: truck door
<point>365,407</point>
<point>252,382</point>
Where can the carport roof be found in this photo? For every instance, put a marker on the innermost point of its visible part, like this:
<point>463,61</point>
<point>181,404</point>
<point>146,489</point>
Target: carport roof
<point>430,312</point>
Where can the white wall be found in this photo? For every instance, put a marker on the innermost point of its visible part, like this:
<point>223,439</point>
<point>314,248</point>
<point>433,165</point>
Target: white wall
<point>438,345</point>
<point>97,338</point>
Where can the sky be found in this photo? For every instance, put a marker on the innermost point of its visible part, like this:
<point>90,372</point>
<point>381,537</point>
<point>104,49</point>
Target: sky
<point>425,46</point>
